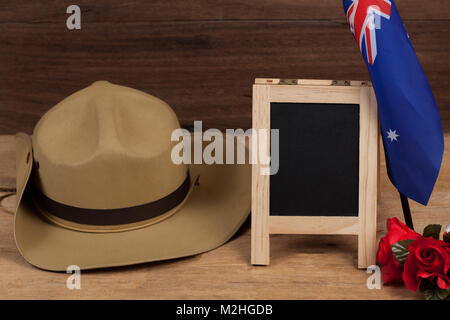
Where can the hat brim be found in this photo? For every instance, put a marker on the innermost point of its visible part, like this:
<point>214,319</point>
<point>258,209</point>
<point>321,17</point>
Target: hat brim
<point>212,214</point>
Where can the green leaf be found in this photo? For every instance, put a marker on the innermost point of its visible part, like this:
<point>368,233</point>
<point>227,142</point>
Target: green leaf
<point>431,291</point>
<point>432,230</point>
<point>436,294</point>
<point>447,238</point>
<point>400,250</point>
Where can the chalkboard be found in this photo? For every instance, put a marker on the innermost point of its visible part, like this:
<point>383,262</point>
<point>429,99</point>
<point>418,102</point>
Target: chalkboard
<point>327,177</point>
<point>318,161</point>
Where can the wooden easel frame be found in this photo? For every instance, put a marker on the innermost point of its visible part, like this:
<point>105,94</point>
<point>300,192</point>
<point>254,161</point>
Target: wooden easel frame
<point>267,91</point>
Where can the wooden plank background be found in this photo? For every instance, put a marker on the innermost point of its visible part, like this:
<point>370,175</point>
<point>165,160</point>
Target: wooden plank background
<point>200,56</point>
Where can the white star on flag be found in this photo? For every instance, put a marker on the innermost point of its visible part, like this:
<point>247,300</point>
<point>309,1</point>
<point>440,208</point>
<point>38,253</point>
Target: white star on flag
<point>392,135</point>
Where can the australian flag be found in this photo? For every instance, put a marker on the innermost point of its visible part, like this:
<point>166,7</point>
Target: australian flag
<point>410,122</point>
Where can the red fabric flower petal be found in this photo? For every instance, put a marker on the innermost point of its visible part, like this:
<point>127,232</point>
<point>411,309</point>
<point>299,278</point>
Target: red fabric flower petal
<point>392,273</point>
<point>410,277</point>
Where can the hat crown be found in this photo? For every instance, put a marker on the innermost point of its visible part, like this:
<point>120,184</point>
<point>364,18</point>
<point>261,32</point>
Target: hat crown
<point>105,147</point>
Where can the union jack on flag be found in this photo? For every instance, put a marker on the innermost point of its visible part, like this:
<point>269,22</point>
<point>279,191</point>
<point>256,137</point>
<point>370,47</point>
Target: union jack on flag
<point>361,16</point>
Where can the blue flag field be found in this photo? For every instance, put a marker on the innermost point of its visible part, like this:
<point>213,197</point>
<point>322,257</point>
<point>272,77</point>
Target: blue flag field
<point>410,123</point>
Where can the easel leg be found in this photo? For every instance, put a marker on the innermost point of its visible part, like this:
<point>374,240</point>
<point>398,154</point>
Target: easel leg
<point>369,179</point>
<point>260,217</point>
<point>367,239</point>
<point>260,182</point>
<point>260,237</point>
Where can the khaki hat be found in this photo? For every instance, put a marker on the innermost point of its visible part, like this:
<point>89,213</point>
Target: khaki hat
<point>97,187</point>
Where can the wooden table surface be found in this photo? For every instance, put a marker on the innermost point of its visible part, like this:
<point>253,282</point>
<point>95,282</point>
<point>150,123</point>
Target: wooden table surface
<point>302,267</point>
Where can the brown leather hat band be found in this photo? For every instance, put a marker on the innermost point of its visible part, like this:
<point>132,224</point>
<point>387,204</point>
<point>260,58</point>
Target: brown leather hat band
<point>109,217</point>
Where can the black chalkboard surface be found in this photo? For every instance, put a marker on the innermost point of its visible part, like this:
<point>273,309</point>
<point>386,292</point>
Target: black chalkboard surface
<point>318,161</point>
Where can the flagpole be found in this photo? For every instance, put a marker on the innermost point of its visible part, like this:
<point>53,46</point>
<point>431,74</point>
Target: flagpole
<point>406,211</point>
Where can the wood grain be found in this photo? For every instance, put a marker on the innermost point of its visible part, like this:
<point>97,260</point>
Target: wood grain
<point>260,249</point>
<point>314,94</point>
<point>200,56</point>
<point>368,177</point>
<point>194,10</point>
<point>314,225</point>
<point>303,267</point>
<point>8,162</point>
